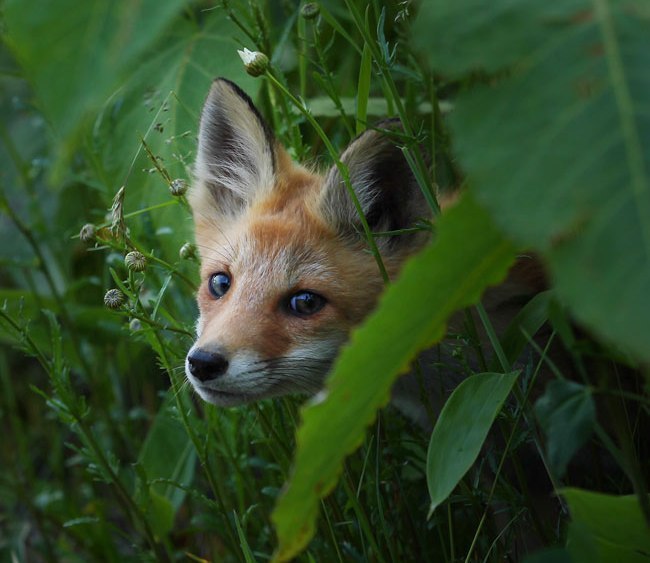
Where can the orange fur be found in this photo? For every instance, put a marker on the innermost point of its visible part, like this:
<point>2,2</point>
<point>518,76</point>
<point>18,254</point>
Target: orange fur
<point>279,246</point>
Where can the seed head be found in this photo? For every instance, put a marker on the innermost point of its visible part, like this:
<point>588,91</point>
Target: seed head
<point>255,62</point>
<point>187,251</point>
<point>178,187</point>
<point>87,233</point>
<point>310,10</point>
<point>114,299</point>
<point>135,261</point>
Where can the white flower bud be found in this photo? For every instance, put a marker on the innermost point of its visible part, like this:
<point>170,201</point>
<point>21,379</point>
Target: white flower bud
<point>255,62</point>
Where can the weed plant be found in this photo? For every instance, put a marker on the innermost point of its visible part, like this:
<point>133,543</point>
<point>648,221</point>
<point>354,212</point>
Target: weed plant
<point>107,455</point>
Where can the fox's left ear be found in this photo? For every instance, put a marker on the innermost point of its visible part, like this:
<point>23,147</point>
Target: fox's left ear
<point>236,155</point>
<point>383,183</point>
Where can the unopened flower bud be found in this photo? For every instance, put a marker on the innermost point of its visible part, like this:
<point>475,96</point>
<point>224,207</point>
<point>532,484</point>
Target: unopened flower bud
<point>87,233</point>
<point>310,10</point>
<point>187,251</point>
<point>178,187</point>
<point>114,299</point>
<point>135,261</point>
<point>255,62</point>
<point>135,325</point>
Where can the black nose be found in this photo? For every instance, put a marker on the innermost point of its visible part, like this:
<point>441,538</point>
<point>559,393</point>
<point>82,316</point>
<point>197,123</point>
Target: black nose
<point>206,365</point>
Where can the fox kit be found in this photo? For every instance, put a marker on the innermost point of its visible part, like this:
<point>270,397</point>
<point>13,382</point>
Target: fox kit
<point>285,272</point>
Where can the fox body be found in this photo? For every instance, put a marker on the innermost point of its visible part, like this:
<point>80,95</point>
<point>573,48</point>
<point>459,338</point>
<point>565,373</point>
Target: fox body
<point>285,270</point>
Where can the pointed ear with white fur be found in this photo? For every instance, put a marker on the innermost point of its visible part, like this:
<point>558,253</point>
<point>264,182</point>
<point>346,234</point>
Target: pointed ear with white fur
<point>383,183</point>
<point>236,152</point>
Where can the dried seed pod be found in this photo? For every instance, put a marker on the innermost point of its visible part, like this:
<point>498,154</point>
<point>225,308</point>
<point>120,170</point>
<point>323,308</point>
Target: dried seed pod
<point>114,299</point>
<point>310,10</point>
<point>87,233</point>
<point>178,187</point>
<point>187,251</point>
<point>135,261</point>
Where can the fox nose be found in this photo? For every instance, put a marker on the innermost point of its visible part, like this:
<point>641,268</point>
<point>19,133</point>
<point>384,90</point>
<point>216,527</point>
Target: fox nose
<point>206,365</point>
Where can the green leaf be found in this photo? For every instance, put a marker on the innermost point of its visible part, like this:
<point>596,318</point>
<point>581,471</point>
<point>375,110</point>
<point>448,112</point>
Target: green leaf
<point>363,89</point>
<point>410,318</point>
<point>567,414</point>
<point>247,552</point>
<point>76,53</point>
<point>526,323</point>
<point>556,148</point>
<point>461,429</point>
<point>463,36</point>
<point>160,513</point>
<point>168,454</point>
<point>610,526</point>
<point>162,103</point>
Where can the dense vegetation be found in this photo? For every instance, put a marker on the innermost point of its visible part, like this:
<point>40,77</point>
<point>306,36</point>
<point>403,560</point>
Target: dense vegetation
<point>536,111</point>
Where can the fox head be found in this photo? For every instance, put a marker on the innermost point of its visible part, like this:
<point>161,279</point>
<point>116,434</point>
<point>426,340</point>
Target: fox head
<point>285,270</point>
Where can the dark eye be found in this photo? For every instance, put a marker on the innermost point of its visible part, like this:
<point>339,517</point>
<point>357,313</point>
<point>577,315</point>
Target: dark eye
<point>219,284</point>
<point>305,303</point>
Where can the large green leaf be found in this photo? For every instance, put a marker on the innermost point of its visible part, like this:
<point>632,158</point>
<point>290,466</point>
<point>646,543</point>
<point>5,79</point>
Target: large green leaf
<point>611,528</point>
<point>557,147</point>
<point>461,429</point>
<point>162,102</point>
<point>411,317</point>
<point>75,53</point>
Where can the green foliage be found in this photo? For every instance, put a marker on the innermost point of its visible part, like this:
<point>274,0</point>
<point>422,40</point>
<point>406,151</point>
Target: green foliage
<point>461,430</point>
<point>606,528</point>
<point>566,413</point>
<point>107,456</point>
<point>166,459</point>
<point>76,69</point>
<point>555,145</point>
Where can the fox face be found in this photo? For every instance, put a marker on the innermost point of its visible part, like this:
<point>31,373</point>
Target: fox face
<point>285,270</point>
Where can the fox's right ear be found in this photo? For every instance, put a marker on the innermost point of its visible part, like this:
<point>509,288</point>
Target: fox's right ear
<point>236,153</point>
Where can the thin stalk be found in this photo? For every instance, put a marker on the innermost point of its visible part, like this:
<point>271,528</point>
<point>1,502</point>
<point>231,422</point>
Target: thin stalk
<point>361,516</point>
<point>363,90</point>
<point>385,73</point>
<point>302,56</point>
<point>450,527</point>
<point>494,339</point>
<point>35,350</point>
<point>159,326</point>
<point>380,504</point>
<point>331,531</point>
<point>328,84</point>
